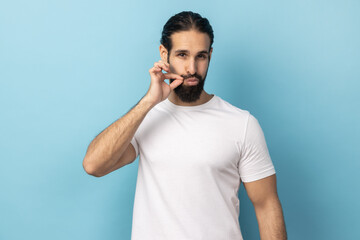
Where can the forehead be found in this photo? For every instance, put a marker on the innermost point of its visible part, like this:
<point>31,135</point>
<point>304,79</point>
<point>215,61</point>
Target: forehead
<point>191,40</point>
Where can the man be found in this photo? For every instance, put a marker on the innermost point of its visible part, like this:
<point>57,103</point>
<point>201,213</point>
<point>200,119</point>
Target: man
<point>195,149</point>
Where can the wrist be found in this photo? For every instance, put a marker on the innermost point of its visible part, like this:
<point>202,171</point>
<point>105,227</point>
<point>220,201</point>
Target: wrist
<point>147,102</point>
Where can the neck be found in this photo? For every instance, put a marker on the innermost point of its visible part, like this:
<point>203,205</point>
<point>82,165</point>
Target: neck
<point>204,97</point>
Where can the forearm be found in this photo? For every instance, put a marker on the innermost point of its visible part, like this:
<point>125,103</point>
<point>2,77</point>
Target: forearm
<point>110,144</point>
<point>271,221</point>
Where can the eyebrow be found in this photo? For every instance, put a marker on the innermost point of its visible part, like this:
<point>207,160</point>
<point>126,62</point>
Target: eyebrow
<point>187,51</point>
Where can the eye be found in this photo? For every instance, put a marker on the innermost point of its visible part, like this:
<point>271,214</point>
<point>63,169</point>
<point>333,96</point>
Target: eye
<point>202,56</point>
<point>181,54</point>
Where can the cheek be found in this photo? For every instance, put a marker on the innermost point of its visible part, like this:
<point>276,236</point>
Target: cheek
<point>172,69</point>
<point>175,67</point>
<point>203,67</point>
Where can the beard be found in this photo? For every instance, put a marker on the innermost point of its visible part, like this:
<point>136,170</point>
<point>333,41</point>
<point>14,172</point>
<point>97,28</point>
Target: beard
<point>190,93</point>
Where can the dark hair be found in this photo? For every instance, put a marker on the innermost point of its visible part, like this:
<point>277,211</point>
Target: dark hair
<point>185,21</point>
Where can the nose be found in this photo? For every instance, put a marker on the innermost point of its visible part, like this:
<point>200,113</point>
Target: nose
<point>191,67</point>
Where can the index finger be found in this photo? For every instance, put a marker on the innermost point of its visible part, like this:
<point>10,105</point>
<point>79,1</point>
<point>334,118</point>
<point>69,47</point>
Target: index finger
<point>172,76</point>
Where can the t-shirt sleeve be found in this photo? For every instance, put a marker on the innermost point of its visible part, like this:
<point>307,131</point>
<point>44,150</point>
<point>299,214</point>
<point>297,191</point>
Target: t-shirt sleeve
<point>255,162</point>
<point>135,145</point>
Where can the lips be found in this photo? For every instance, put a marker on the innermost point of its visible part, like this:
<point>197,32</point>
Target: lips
<point>192,81</point>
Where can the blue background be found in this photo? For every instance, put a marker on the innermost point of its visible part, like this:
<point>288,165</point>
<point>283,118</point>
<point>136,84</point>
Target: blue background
<point>68,69</point>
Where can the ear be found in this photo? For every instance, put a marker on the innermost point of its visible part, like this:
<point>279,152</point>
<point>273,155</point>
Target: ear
<point>163,53</point>
<point>210,54</point>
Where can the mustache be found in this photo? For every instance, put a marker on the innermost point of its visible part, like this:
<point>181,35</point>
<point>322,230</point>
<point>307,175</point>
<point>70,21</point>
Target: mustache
<point>192,76</point>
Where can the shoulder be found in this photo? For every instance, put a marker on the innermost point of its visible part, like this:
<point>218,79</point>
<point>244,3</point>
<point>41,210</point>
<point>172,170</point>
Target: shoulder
<point>237,111</point>
<point>231,109</point>
<point>243,119</point>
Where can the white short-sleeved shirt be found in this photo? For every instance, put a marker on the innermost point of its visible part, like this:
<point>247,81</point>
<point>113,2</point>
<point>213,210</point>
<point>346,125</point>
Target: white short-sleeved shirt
<point>192,161</point>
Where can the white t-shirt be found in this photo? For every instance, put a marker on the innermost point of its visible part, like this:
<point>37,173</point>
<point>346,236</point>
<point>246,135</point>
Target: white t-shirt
<point>192,161</point>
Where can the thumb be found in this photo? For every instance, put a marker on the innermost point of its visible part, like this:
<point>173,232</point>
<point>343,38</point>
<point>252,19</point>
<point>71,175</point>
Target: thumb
<point>175,83</point>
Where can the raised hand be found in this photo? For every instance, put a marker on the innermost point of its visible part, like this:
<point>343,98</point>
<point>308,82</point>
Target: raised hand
<point>159,90</point>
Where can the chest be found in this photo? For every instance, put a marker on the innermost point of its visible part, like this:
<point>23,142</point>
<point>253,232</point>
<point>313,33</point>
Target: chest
<point>185,142</point>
